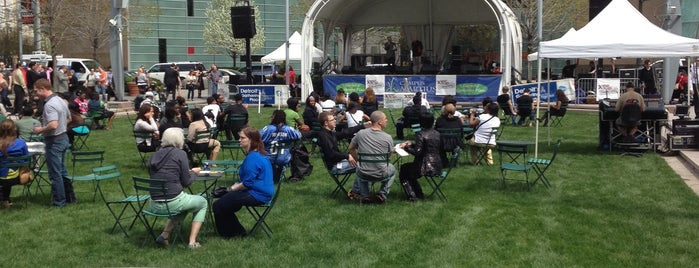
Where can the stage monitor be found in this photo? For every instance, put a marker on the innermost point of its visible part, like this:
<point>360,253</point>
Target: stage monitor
<point>627,73</point>
<point>682,111</point>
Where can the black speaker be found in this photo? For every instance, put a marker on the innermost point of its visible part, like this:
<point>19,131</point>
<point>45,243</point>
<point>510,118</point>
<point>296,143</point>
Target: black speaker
<point>596,6</point>
<point>243,22</point>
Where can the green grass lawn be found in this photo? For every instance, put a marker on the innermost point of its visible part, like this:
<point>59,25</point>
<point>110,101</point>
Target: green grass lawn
<point>603,210</point>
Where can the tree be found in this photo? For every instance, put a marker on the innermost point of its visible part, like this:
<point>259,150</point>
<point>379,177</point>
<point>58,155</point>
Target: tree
<point>147,14</point>
<point>558,17</point>
<point>218,35</point>
<point>55,25</point>
<point>96,29</point>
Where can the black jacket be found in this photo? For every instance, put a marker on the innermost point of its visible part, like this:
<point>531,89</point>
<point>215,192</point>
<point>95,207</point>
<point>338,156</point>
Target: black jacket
<point>327,141</point>
<point>426,152</point>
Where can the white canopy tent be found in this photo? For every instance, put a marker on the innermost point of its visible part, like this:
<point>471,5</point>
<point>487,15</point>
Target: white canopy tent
<point>431,21</point>
<point>619,31</point>
<point>295,51</point>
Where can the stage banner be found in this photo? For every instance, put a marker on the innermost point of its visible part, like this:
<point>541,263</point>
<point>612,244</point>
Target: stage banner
<point>548,89</point>
<point>376,82</point>
<point>251,94</point>
<point>348,83</point>
<point>446,85</point>
<point>397,100</point>
<point>608,88</point>
<point>474,88</point>
<point>568,86</point>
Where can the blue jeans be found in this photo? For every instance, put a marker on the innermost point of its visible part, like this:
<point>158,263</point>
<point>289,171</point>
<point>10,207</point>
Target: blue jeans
<point>102,91</point>
<point>386,182</point>
<point>213,87</point>
<point>227,224</point>
<point>344,167</point>
<point>61,186</point>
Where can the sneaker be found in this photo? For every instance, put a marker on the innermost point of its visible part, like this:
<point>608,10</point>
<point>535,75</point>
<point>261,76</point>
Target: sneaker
<point>380,199</point>
<point>352,195</point>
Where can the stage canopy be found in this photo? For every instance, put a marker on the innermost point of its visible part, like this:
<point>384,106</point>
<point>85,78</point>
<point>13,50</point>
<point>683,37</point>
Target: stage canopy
<point>295,51</point>
<point>431,21</point>
<point>619,31</point>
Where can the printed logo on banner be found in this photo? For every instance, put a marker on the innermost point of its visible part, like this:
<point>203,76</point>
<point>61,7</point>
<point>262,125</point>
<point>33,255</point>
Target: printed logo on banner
<point>608,88</point>
<point>251,94</point>
<point>377,82</point>
<point>446,85</point>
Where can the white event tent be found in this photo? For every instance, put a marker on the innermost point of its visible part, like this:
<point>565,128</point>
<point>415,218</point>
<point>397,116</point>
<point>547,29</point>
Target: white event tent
<point>619,31</point>
<point>295,51</point>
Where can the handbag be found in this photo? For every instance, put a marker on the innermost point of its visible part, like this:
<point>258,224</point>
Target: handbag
<point>219,191</point>
<point>26,175</point>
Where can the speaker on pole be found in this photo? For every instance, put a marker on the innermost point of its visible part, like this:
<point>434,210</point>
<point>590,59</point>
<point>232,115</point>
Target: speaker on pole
<point>243,22</point>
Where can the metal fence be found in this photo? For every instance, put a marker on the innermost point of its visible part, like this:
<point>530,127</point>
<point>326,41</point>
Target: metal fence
<point>586,87</point>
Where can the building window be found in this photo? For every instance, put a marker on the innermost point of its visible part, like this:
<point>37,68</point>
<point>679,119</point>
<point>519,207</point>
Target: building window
<point>162,50</point>
<point>190,8</point>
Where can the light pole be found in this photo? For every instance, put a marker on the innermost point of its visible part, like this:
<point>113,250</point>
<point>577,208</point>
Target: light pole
<point>118,62</point>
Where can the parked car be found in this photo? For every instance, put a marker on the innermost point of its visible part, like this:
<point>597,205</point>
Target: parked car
<point>157,71</point>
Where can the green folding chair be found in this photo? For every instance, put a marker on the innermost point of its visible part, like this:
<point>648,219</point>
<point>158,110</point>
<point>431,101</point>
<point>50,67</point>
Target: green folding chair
<point>480,151</point>
<point>201,151</point>
<point>142,151</point>
<point>436,181</point>
<point>16,162</point>
<point>120,205</point>
<point>340,179</point>
<point>86,157</point>
<point>557,118</point>
<point>260,212</point>
<point>510,149</point>
<point>147,186</point>
<point>233,148</point>
<point>542,164</point>
<point>375,159</point>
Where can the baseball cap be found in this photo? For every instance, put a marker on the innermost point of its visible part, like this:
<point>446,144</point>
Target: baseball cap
<point>149,94</point>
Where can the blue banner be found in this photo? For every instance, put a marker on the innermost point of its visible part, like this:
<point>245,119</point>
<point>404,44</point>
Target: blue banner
<point>471,88</point>
<point>548,89</point>
<point>251,94</point>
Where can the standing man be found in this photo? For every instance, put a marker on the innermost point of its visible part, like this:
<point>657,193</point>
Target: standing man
<point>214,79</point>
<point>172,81</point>
<point>373,141</point>
<point>390,48</point>
<point>54,125</point>
<point>19,87</point>
<point>647,78</point>
<point>61,79</point>
<point>694,79</point>
<point>417,56</point>
<point>569,69</point>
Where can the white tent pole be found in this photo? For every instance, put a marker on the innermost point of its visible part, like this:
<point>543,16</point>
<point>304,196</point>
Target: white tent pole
<point>548,91</point>
<point>538,75</point>
<point>289,80</point>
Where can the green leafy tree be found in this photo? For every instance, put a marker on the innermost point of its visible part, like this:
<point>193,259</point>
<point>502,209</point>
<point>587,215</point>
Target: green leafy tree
<point>218,35</point>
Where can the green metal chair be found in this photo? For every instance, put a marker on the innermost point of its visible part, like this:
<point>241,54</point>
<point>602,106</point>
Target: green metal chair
<point>451,138</point>
<point>201,151</point>
<point>119,206</point>
<point>340,179</point>
<point>260,212</point>
<point>505,150</point>
<point>16,162</point>
<point>86,157</point>
<point>479,151</point>
<point>436,181</point>
<point>147,186</point>
<point>373,158</point>
<point>143,151</point>
<point>541,165</point>
<point>557,118</point>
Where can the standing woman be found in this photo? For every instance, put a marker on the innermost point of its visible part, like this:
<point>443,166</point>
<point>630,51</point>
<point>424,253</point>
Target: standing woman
<point>10,145</point>
<point>191,83</point>
<point>142,80</point>
<point>170,164</point>
<point>255,187</point>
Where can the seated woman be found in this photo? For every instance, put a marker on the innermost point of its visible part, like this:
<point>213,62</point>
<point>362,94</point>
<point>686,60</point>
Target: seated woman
<point>484,125</point>
<point>75,125</point>
<point>449,120</point>
<point>426,151</point>
<point>146,123</point>
<point>256,186</point>
<point>199,144</point>
<point>97,111</point>
<point>170,164</point>
<point>355,116</point>
<point>82,101</point>
<point>369,103</point>
<point>310,113</point>
<point>10,145</point>
<point>278,131</point>
<point>555,109</point>
<point>171,117</point>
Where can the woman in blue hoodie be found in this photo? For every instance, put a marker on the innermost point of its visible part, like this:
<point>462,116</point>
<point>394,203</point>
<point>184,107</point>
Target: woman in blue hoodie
<point>255,187</point>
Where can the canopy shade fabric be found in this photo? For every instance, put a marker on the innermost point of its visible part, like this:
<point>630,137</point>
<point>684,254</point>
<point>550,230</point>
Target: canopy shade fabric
<point>295,51</point>
<point>619,31</point>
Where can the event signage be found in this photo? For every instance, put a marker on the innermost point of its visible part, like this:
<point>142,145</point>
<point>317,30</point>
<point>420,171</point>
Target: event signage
<point>251,94</point>
<point>471,88</point>
<point>608,88</point>
<point>548,90</point>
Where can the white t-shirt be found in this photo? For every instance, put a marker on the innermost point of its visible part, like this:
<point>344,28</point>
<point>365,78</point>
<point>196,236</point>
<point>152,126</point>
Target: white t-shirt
<point>215,109</point>
<point>485,126</point>
<point>354,119</point>
<point>327,105</point>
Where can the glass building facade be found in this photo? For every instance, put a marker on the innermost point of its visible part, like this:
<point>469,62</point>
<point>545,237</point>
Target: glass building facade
<point>174,32</point>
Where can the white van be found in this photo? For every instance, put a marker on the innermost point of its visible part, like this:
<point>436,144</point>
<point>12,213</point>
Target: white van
<point>81,67</point>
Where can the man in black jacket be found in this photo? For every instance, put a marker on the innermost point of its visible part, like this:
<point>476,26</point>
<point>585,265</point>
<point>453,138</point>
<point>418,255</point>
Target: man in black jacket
<point>411,115</point>
<point>332,157</point>
<point>172,81</point>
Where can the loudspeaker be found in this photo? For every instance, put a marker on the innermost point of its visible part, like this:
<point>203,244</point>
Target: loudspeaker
<point>243,22</point>
<point>596,6</point>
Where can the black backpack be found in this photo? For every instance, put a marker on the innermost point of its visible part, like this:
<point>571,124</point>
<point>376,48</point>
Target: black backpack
<point>300,163</point>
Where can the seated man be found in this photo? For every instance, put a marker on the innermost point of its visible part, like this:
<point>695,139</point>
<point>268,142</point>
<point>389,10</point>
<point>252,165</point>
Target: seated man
<point>374,141</point>
<point>626,104</point>
<point>524,108</point>
<point>332,157</point>
<point>411,115</point>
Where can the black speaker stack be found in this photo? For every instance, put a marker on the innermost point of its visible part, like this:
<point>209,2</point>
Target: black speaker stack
<point>243,22</point>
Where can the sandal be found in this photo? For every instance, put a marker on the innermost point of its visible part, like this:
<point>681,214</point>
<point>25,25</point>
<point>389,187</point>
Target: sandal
<point>162,241</point>
<point>194,245</point>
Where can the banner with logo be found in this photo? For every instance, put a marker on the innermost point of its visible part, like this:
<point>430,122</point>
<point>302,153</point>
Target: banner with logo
<point>251,94</point>
<point>608,88</point>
